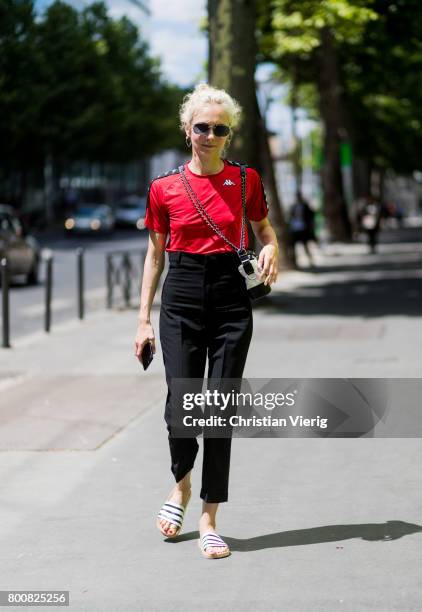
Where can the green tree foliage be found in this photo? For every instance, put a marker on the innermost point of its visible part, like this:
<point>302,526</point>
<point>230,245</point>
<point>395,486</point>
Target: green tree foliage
<point>378,45</point>
<point>298,23</point>
<point>107,97</point>
<point>382,87</point>
<point>303,37</point>
<point>79,85</point>
<point>21,92</point>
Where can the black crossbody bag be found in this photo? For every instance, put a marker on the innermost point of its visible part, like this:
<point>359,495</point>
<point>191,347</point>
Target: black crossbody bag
<point>248,267</point>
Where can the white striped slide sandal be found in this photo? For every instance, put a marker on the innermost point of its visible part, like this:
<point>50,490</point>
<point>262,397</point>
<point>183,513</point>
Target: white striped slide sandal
<point>174,513</point>
<point>212,539</point>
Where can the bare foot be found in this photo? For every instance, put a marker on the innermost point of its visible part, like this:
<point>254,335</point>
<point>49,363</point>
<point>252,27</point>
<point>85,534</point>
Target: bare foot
<point>178,496</point>
<point>206,527</point>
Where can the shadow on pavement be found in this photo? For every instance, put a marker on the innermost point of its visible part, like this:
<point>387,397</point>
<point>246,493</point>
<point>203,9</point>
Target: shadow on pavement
<point>371,532</point>
<point>360,284</point>
<point>370,266</point>
<point>364,298</point>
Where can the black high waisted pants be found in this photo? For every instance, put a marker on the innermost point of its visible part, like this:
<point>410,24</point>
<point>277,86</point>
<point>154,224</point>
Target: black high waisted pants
<point>205,311</point>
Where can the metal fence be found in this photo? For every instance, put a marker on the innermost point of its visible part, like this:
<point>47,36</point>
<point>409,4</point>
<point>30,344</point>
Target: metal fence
<point>124,270</point>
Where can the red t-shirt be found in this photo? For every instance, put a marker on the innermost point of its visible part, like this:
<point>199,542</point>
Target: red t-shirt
<point>170,210</point>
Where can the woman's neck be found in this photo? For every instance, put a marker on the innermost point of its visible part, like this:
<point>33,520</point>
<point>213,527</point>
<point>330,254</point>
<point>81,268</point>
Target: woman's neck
<point>207,166</point>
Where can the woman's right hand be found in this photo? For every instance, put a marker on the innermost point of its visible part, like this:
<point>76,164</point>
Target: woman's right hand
<point>144,334</point>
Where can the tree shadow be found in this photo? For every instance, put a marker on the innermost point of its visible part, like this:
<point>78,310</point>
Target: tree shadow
<point>383,266</point>
<point>383,284</point>
<point>348,298</point>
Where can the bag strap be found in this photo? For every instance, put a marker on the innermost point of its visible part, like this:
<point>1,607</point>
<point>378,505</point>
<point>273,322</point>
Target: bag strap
<point>242,253</point>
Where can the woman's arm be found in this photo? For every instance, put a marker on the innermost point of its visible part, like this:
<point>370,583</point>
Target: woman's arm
<point>153,267</point>
<point>268,257</point>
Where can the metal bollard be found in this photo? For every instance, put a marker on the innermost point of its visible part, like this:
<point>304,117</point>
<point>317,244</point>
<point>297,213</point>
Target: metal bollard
<point>5,302</point>
<point>141,268</point>
<point>127,278</point>
<point>109,279</point>
<point>81,279</point>
<point>48,289</point>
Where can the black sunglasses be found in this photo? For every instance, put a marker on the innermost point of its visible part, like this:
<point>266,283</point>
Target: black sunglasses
<point>219,130</point>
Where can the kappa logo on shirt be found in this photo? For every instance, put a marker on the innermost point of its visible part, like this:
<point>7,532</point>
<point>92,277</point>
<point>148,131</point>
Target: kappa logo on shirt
<point>228,182</point>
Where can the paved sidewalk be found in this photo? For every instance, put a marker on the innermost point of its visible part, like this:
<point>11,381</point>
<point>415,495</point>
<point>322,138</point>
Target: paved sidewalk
<point>313,524</point>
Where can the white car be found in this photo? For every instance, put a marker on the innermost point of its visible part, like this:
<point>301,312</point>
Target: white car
<point>131,212</point>
<point>90,218</point>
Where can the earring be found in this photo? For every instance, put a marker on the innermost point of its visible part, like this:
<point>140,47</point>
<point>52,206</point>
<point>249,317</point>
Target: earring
<point>188,141</point>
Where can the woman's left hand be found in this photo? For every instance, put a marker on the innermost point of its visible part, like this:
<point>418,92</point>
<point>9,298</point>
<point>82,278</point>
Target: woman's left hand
<point>268,261</point>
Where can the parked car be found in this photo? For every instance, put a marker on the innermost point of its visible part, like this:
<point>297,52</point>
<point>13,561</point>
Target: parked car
<point>131,212</point>
<point>22,251</point>
<point>90,218</point>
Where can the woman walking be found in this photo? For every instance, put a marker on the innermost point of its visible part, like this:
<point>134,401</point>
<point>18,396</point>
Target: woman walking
<point>205,304</point>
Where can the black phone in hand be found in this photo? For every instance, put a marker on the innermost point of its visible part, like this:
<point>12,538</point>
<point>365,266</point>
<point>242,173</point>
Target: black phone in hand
<point>147,355</point>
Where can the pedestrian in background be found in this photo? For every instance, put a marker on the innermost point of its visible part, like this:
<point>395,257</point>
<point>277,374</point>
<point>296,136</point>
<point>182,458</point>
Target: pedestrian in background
<point>205,305</point>
<point>302,225</point>
<point>369,220</point>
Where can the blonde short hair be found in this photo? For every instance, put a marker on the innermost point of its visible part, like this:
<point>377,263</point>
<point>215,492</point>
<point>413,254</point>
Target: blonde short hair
<point>206,94</point>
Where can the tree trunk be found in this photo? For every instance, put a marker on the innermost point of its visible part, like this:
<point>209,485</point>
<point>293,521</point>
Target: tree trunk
<point>297,153</point>
<point>361,177</point>
<point>231,66</point>
<point>276,214</point>
<point>329,89</point>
